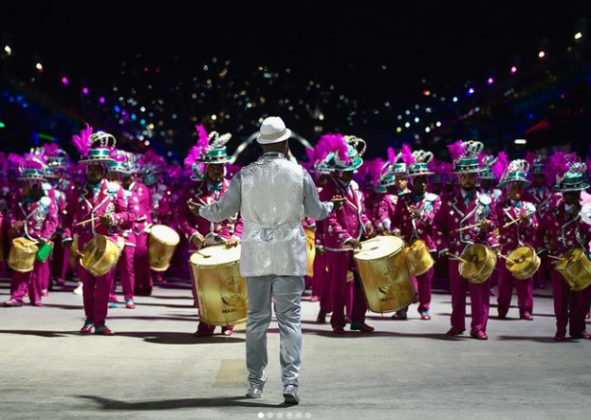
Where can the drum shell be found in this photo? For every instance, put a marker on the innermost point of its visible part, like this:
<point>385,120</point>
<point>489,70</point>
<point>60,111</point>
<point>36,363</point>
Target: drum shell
<point>576,269</point>
<point>419,260</point>
<point>100,255</point>
<point>221,292</point>
<point>387,281</point>
<point>485,271</point>
<point>160,252</point>
<point>311,251</point>
<point>22,255</point>
<point>529,271</point>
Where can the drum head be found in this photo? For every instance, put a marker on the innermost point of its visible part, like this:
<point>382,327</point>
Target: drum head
<point>25,245</point>
<point>213,256</point>
<point>166,235</point>
<point>379,247</point>
<point>523,257</point>
<point>476,255</point>
<point>571,257</point>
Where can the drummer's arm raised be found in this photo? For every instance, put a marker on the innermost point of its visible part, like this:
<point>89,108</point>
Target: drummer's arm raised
<point>228,205</point>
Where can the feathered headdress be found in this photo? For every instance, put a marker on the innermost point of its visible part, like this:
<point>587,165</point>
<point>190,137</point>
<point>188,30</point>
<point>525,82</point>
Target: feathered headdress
<point>82,141</point>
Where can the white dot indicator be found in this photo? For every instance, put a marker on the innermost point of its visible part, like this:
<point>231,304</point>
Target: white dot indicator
<point>261,415</point>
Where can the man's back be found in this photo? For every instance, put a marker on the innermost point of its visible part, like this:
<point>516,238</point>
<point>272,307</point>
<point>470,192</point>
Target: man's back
<point>272,208</point>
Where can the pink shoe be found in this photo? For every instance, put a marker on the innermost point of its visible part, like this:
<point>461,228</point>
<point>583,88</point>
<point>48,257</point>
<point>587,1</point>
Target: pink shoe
<point>228,331</point>
<point>314,299</point>
<point>12,303</point>
<point>479,335</point>
<point>38,304</point>
<point>455,331</point>
<point>104,331</point>
<point>44,293</point>
<point>86,328</point>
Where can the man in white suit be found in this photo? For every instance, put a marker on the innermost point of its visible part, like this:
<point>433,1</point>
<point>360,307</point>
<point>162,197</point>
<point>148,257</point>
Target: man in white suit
<point>273,195</point>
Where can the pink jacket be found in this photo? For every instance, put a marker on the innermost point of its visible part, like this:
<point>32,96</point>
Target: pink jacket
<point>519,233</point>
<point>349,222</point>
<point>189,224</point>
<point>454,215</point>
<point>566,231</point>
<point>40,217</point>
<point>143,214</point>
<point>84,206</point>
<point>421,227</point>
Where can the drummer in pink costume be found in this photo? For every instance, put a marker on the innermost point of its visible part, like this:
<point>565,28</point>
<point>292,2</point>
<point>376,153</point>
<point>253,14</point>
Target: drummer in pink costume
<point>517,225</point>
<point>211,151</point>
<point>462,210</point>
<point>345,227</point>
<point>93,200</point>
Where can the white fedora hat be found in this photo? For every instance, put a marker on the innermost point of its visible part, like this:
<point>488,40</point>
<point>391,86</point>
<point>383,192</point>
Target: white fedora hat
<point>273,130</point>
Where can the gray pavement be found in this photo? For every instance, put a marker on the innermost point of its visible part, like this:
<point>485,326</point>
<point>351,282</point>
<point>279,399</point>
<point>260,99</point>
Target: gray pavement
<point>155,369</point>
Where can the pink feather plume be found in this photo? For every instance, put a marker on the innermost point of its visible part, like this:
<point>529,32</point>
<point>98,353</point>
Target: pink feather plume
<point>391,155</point>
<point>457,150</point>
<point>82,141</point>
<point>407,155</point>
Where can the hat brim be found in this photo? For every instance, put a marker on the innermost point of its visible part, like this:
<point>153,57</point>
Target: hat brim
<point>355,165</point>
<point>421,173</point>
<point>227,159</point>
<point>467,171</point>
<point>284,137</point>
<point>523,181</point>
<point>97,161</point>
<point>580,187</point>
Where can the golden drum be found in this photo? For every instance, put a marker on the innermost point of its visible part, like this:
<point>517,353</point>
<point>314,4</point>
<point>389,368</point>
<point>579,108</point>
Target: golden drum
<point>575,268</point>
<point>418,256</point>
<point>221,290</point>
<point>311,251</point>
<point>385,274</point>
<point>22,255</point>
<point>480,263</point>
<point>523,262</point>
<point>161,246</point>
<point>100,255</point>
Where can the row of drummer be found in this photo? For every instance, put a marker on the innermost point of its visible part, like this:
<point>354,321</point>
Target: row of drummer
<point>449,207</point>
<point>514,219</point>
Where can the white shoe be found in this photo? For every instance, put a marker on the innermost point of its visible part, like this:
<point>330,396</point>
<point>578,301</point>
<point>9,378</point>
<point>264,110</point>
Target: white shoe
<point>256,392</point>
<point>290,394</point>
<point>78,289</point>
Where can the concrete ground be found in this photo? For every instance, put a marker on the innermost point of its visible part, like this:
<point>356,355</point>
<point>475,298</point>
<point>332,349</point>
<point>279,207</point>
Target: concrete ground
<point>155,369</point>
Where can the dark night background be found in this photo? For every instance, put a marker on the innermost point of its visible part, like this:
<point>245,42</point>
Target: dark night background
<point>322,67</point>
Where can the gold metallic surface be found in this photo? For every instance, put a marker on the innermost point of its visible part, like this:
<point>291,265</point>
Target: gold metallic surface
<point>221,290</point>
<point>311,247</point>
<point>100,255</point>
<point>576,269</point>
<point>22,255</point>
<point>481,261</point>
<point>385,274</point>
<point>523,262</point>
<point>162,243</point>
<point>418,256</point>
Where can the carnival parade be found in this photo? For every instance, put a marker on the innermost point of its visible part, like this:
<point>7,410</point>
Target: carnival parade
<point>171,223</point>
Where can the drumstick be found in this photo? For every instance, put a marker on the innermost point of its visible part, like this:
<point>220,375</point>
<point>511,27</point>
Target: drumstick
<point>203,255</point>
<point>458,258</point>
<point>506,225</point>
<point>556,258</point>
<point>468,227</point>
<point>88,221</point>
<point>507,258</point>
